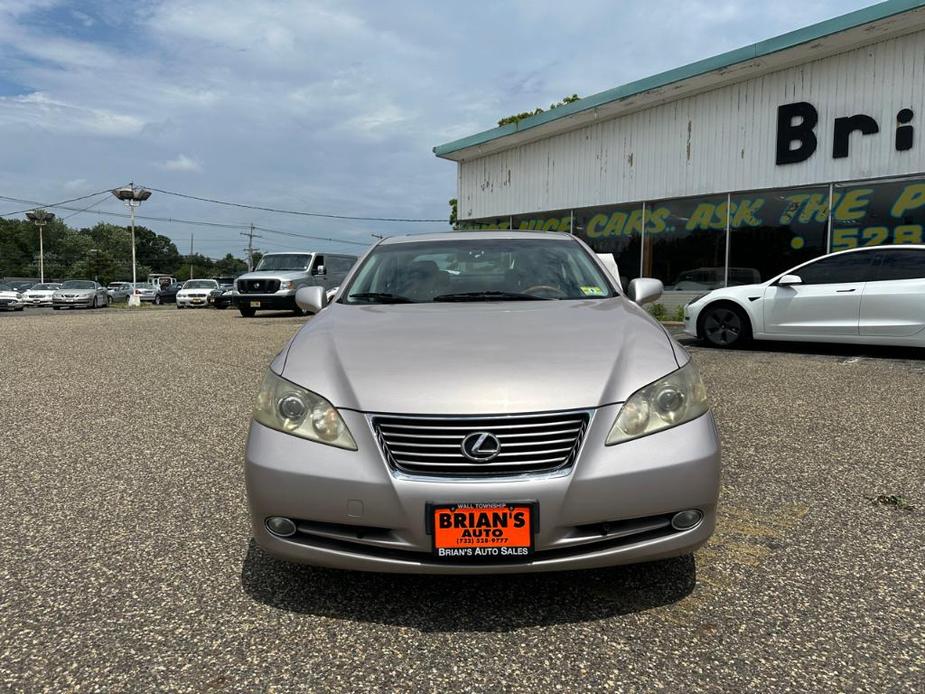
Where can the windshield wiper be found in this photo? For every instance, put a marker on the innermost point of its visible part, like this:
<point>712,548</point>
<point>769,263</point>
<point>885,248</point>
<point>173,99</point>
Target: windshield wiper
<point>381,298</point>
<point>489,295</point>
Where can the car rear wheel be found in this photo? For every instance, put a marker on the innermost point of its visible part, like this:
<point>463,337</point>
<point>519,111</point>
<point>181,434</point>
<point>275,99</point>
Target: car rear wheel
<point>247,311</point>
<point>725,326</point>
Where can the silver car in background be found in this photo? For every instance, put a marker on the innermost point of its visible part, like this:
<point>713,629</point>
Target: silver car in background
<point>80,294</point>
<point>482,402</point>
<point>145,292</point>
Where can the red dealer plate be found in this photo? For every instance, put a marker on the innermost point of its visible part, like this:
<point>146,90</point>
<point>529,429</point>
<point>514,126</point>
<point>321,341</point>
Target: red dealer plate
<point>482,530</point>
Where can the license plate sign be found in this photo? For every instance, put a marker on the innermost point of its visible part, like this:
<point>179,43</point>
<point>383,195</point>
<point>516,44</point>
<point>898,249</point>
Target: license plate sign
<point>255,304</point>
<point>482,530</point>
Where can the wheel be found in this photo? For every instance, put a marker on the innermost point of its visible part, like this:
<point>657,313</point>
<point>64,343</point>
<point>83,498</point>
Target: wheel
<point>299,312</point>
<point>725,325</point>
<point>157,300</point>
<point>55,308</point>
<point>247,311</point>
<point>95,304</point>
<point>179,307</point>
<point>108,301</point>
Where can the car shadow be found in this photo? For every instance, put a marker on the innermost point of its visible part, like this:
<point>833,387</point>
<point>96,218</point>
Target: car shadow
<point>487,603</point>
<point>820,349</point>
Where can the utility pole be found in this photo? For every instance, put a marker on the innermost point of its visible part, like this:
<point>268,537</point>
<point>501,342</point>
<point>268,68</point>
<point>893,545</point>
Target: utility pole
<point>40,218</point>
<point>191,255</point>
<point>250,246</point>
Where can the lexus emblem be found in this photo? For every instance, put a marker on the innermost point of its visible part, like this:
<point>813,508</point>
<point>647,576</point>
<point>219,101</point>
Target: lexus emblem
<point>481,447</point>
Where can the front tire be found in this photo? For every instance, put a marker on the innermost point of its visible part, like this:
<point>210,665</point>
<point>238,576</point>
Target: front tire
<point>247,311</point>
<point>725,326</point>
<point>157,301</point>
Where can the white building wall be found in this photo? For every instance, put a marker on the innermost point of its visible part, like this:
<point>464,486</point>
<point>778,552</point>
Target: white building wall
<point>722,140</point>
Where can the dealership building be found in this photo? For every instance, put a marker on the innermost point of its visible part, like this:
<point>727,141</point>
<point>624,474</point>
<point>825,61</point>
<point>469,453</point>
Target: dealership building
<point>728,170</point>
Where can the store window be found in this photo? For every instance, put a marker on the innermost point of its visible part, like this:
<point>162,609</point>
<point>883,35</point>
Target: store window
<point>774,230</point>
<point>616,230</point>
<point>558,220</point>
<point>874,214</point>
<point>685,243</point>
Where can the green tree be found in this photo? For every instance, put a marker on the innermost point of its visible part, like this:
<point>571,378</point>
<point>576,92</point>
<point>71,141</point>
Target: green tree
<point>517,117</point>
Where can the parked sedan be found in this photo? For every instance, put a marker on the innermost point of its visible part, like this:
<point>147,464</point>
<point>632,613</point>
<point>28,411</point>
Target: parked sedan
<point>40,294</point>
<point>80,293</point>
<point>167,294</point>
<point>119,291</point>
<point>197,293</point>
<point>440,417</point>
<point>11,299</point>
<point>225,297</point>
<point>865,296</point>
<point>145,292</point>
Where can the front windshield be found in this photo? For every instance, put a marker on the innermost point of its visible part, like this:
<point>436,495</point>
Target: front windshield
<point>78,284</point>
<point>477,270</point>
<point>283,262</point>
<point>44,287</point>
<point>201,284</point>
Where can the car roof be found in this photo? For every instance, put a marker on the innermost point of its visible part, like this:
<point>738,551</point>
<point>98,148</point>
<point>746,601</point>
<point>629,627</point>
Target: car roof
<point>477,235</point>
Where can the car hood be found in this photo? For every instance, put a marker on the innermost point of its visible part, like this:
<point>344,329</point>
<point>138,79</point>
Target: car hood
<point>274,274</point>
<point>479,358</point>
<point>39,292</point>
<point>75,291</point>
<point>7,294</point>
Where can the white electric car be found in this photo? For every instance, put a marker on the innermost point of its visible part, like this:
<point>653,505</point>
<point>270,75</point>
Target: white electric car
<point>870,295</point>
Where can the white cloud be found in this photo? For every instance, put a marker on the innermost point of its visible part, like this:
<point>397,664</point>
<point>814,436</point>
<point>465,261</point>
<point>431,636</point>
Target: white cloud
<point>39,110</point>
<point>182,163</point>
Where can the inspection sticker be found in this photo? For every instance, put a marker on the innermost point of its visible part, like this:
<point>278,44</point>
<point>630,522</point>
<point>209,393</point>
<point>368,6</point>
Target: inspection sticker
<point>592,291</point>
<point>483,531</point>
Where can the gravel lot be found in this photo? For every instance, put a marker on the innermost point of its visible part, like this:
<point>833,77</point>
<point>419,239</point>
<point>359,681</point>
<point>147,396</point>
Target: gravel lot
<point>126,562</point>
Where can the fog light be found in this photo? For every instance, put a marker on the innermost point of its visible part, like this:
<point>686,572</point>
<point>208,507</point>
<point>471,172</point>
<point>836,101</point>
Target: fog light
<point>281,527</point>
<point>685,520</point>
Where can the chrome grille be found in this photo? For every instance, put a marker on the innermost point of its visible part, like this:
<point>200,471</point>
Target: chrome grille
<point>530,443</point>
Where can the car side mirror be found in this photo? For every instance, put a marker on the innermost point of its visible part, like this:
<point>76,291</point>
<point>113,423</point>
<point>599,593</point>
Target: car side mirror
<point>789,280</point>
<point>645,290</point>
<point>319,270</point>
<point>311,299</point>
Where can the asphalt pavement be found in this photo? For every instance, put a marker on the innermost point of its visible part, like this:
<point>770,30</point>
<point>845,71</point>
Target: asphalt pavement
<point>126,562</point>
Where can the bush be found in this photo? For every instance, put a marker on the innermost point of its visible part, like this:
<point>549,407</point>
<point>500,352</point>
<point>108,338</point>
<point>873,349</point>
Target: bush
<point>679,314</point>
<point>658,312</point>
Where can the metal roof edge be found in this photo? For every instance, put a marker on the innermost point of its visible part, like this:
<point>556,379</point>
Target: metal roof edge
<point>776,44</point>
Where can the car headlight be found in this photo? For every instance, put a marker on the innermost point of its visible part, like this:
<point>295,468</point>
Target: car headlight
<point>671,400</point>
<point>286,284</point>
<point>286,407</point>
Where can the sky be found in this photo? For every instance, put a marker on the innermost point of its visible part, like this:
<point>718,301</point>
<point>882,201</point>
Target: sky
<point>330,107</point>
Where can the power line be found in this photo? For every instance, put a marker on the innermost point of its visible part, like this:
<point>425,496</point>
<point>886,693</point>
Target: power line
<point>45,205</point>
<point>85,209</point>
<point>193,222</point>
<point>214,201</point>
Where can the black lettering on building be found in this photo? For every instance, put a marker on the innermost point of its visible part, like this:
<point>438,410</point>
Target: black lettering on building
<point>904,130</point>
<point>801,132</point>
<point>843,129</point>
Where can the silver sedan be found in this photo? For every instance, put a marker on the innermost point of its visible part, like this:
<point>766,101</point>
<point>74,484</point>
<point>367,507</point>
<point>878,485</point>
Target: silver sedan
<point>80,294</point>
<point>482,402</point>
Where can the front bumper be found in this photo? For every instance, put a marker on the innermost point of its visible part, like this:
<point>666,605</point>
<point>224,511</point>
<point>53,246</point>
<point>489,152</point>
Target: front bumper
<point>267,302</point>
<point>353,512</point>
<point>80,301</point>
<point>11,305</point>
<point>37,301</point>
<point>189,302</point>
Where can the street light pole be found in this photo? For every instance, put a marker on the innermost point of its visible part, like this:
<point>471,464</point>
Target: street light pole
<point>40,218</point>
<point>132,197</point>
